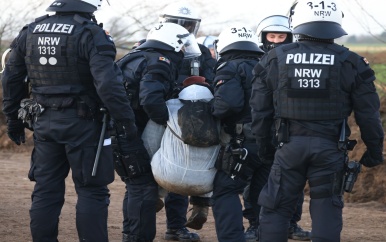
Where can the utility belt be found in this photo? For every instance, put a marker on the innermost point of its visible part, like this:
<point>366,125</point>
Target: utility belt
<point>233,157</point>
<point>284,129</point>
<point>233,161</point>
<point>85,106</point>
<point>29,111</point>
<point>132,165</point>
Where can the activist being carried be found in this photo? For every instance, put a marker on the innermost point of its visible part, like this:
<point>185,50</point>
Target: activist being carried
<point>149,73</point>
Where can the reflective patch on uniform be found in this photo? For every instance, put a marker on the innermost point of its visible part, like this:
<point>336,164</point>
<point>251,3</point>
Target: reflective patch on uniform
<point>221,66</point>
<point>109,38</point>
<point>54,28</point>
<point>220,83</point>
<point>365,61</point>
<point>107,142</point>
<point>161,58</point>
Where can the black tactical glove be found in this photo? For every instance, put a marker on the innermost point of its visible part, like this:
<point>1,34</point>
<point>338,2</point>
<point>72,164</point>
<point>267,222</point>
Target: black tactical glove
<point>16,130</point>
<point>157,113</point>
<point>371,159</point>
<point>127,130</point>
<point>266,152</point>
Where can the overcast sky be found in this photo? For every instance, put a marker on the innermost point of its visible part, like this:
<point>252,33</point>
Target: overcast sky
<point>355,22</point>
<point>253,11</point>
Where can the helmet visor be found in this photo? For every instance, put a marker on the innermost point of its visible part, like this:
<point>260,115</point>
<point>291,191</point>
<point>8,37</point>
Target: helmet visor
<point>192,25</point>
<point>191,48</point>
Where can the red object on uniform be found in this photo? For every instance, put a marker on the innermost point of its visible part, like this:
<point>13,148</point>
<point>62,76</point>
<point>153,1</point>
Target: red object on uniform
<point>194,80</point>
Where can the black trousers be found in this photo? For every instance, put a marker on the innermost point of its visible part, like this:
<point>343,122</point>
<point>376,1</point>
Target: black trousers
<point>63,141</point>
<point>303,158</point>
<point>227,208</point>
<point>139,207</point>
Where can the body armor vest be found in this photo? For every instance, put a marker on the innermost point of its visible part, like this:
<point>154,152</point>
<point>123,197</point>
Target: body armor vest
<point>309,85</point>
<point>135,63</point>
<point>52,57</point>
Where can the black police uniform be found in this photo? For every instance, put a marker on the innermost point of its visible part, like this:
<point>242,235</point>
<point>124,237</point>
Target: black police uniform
<point>248,211</point>
<point>150,76</point>
<point>231,106</point>
<point>176,205</point>
<point>312,86</point>
<point>69,61</point>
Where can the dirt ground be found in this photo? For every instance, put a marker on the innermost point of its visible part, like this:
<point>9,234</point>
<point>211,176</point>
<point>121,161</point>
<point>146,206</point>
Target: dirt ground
<point>362,221</point>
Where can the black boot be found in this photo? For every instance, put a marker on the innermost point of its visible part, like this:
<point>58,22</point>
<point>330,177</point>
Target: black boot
<point>181,234</point>
<point>125,237</point>
<point>251,234</point>
<point>296,232</point>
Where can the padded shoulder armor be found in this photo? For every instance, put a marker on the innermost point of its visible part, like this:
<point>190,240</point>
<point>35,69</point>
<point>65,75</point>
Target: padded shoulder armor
<point>37,20</point>
<point>102,40</point>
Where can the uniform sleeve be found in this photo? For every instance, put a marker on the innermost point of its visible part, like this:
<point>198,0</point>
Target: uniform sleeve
<point>261,101</point>
<point>366,106</point>
<point>207,64</point>
<point>13,77</point>
<point>154,88</point>
<point>108,80</point>
<point>228,93</point>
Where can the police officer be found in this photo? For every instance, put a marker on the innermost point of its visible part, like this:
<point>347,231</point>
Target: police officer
<point>69,61</point>
<point>176,205</point>
<point>184,14</point>
<point>237,52</point>
<point>149,74</point>
<point>208,41</point>
<point>274,31</point>
<point>311,87</point>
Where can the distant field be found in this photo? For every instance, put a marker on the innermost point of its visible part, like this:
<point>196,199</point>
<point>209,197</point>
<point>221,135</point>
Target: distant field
<point>366,47</point>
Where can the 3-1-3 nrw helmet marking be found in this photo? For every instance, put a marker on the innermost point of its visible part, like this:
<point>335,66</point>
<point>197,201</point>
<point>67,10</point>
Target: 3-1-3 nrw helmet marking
<point>237,38</point>
<point>317,19</point>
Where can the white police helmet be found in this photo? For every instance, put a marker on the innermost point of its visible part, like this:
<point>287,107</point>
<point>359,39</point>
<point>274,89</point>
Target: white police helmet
<point>173,37</point>
<point>273,24</point>
<point>86,6</point>
<point>237,38</point>
<point>183,14</point>
<point>207,41</point>
<point>321,20</point>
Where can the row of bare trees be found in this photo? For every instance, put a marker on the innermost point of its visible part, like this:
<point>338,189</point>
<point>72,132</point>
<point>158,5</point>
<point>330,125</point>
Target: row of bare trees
<point>133,19</point>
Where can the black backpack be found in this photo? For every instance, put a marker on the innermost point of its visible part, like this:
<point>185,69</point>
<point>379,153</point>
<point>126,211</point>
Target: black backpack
<point>198,126</point>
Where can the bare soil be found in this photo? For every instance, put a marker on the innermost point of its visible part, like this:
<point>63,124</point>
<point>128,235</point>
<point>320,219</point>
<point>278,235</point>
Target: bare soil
<point>362,221</point>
